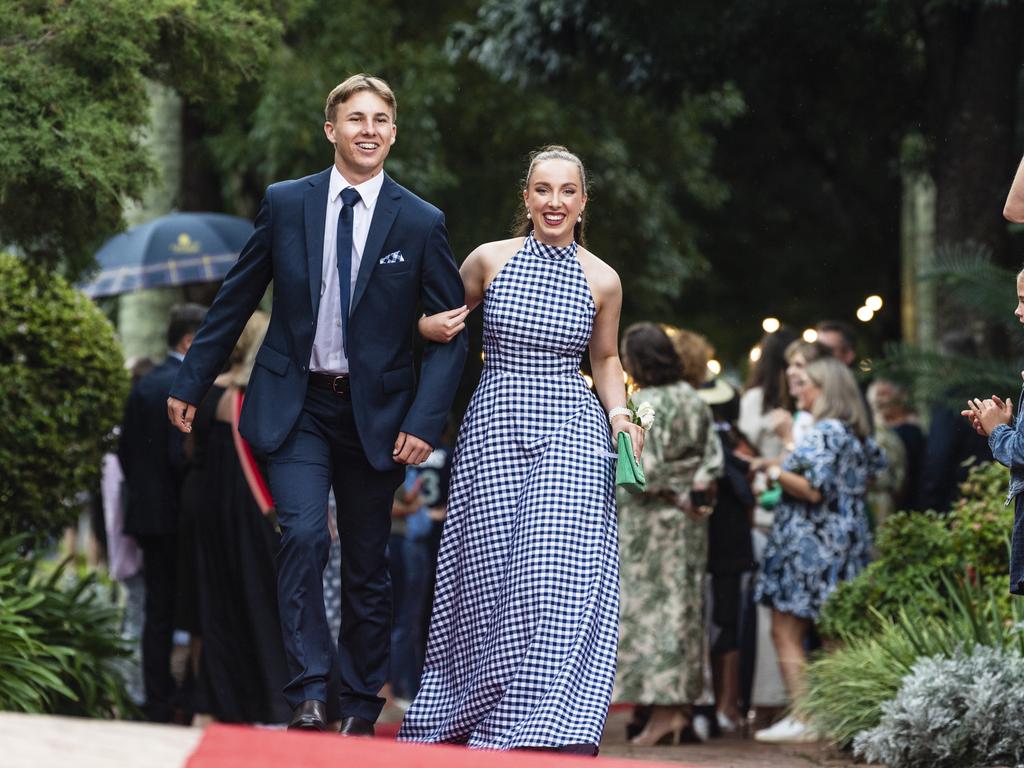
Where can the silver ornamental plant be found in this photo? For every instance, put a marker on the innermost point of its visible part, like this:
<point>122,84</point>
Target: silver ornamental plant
<point>953,712</point>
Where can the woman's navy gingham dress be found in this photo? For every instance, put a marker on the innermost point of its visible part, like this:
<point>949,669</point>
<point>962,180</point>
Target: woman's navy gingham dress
<point>525,625</point>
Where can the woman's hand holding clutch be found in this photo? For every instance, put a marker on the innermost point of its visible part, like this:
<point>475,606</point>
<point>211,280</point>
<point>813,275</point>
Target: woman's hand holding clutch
<point>635,432</point>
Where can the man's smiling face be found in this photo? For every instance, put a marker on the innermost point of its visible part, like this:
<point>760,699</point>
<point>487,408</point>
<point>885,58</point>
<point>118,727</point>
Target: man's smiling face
<point>362,133</point>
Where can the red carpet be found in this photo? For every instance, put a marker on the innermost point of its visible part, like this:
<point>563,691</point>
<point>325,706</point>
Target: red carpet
<point>227,746</point>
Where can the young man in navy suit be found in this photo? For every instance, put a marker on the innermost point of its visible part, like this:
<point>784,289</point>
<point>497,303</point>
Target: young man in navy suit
<point>333,399</point>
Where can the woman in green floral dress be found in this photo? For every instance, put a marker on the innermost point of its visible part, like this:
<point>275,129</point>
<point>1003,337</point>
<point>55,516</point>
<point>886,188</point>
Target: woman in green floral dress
<point>663,541</point>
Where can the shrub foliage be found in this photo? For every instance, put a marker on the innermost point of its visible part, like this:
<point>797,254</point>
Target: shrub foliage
<point>60,643</point>
<point>952,712</point>
<point>914,547</point>
<point>847,688</point>
<point>62,390</point>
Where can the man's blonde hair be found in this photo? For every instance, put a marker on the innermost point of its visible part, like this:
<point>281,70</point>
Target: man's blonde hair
<point>353,85</point>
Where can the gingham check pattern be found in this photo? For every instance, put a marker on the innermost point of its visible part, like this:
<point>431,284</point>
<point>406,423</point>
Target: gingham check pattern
<point>525,625</point>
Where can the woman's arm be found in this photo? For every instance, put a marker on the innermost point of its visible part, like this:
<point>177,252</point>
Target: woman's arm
<point>795,485</point>
<point>1013,210</point>
<point>799,486</point>
<point>609,379</point>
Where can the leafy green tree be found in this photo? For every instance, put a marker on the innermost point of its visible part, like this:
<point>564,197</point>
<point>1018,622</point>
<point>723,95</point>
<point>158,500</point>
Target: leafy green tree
<point>465,130</point>
<point>62,390</point>
<point>813,166</point>
<point>73,106</point>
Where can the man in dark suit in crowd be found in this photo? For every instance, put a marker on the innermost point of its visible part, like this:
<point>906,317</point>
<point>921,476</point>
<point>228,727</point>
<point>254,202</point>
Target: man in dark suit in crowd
<point>153,461</point>
<point>333,399</point>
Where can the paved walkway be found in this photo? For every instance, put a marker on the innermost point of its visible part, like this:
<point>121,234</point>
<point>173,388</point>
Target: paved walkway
<point>41,742</point>
<point>726,752</point>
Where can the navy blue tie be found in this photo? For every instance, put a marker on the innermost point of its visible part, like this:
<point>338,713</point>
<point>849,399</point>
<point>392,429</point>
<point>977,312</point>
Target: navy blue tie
<point>349,197</point>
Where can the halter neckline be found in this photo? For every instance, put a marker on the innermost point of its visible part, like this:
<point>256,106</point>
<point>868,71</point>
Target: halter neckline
<point>553,252</point>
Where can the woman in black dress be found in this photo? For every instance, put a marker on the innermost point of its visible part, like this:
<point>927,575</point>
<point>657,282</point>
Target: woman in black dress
<point>242,667</point>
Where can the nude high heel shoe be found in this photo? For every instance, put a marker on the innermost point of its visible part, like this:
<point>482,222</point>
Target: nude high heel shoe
<point>664,727</point>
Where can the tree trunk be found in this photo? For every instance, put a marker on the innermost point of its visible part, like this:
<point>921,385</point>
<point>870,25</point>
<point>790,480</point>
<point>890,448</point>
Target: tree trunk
<point>973,55</point>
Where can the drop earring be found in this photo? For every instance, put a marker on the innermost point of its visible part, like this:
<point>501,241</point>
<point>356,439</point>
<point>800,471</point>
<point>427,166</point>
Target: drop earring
<point>579,218</point>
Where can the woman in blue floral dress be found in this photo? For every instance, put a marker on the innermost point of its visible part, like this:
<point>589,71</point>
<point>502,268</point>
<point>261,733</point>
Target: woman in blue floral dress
<point>820,536</point>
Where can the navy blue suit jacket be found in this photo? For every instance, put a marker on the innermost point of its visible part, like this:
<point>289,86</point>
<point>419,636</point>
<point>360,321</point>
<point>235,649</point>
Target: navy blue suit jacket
<point>152,455</point>
<point>287,247</point>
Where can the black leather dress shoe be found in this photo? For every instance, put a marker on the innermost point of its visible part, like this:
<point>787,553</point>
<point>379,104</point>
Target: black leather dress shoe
<point>310,715</point>
<point>355,726</point>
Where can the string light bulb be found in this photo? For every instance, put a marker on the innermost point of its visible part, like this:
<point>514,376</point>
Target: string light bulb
<point>864,314</point>
<point>874,303</point>
<point>714,366</point>
<point>810,335</point>
<point>755,353</point>
<point>771,324</point>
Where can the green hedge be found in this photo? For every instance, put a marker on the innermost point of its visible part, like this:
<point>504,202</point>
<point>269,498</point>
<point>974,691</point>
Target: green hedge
<point>60,641</point>
<point>924,547</point>
<point>62,390</point>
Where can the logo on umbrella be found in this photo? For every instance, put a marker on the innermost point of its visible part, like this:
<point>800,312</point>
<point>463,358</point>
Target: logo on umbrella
<point>185,244</point>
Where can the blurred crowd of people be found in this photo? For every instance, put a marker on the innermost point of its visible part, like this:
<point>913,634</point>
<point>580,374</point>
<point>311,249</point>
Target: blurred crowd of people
<point>759,501</point>
<point>758,504</point>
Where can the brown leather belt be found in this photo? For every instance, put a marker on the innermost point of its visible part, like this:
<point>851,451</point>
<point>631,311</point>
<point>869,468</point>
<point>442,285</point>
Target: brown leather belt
<point>339,385</point>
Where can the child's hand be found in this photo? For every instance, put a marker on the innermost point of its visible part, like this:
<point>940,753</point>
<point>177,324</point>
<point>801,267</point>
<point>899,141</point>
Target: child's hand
<point>989,414</point>
<point>972,417</point>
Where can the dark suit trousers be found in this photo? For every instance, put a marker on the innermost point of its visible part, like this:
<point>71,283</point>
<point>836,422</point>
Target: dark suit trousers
<point>322,451</point>
<point>159,572</point>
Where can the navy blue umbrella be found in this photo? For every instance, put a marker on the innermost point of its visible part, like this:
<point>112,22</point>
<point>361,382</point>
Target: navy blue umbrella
<point>177,249</point>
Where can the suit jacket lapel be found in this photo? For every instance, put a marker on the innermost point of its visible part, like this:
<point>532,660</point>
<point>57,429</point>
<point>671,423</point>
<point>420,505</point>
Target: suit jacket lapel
<point>314,208</point>
<point>384,215</point>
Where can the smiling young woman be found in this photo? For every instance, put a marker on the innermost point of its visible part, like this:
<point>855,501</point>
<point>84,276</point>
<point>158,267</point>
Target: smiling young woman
<point>523,638</point>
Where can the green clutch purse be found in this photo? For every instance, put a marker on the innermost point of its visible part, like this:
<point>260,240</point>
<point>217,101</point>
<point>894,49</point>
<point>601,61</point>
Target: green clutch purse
<point>628,472</point>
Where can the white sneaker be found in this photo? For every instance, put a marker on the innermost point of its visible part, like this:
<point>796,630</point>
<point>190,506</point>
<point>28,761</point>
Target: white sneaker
<point>701,727</point>
<point>787,730</point>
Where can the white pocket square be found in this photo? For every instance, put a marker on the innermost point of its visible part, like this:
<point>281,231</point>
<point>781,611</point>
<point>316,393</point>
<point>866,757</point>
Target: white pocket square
<point>392,258</point>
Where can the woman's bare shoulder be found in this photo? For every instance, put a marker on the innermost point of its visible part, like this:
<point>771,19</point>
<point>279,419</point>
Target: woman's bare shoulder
<point>602,276</point>
<point>497,250</point>
<point>492,256</point>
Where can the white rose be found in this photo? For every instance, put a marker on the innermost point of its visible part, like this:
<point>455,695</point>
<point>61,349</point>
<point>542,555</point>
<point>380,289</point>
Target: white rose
<point>645,413</point>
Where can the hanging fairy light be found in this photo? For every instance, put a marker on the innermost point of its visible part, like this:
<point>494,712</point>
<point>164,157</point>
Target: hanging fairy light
<point>715,367</point>
<point>810,335</point>
<point>865,313</point>
<point>874,303</point>
<point>755,353</point>
<point>771,324</point>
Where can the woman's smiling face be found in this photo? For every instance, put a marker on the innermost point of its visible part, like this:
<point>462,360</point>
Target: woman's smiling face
<point>554,198</point>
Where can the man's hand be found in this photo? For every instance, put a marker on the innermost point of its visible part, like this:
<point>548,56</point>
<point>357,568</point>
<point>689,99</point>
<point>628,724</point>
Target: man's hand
<point>986,415</point>
<point>409,449</point>
<point>180,413</point>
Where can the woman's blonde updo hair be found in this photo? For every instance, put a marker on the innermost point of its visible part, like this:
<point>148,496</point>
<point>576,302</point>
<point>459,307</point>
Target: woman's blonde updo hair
<point>523,225</point>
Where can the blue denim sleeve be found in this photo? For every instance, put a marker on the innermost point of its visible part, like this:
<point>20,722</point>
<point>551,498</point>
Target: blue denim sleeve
<point>1007,445</point>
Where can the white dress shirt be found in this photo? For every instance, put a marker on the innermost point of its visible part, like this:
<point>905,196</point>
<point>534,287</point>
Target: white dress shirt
<point>328,354</point>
